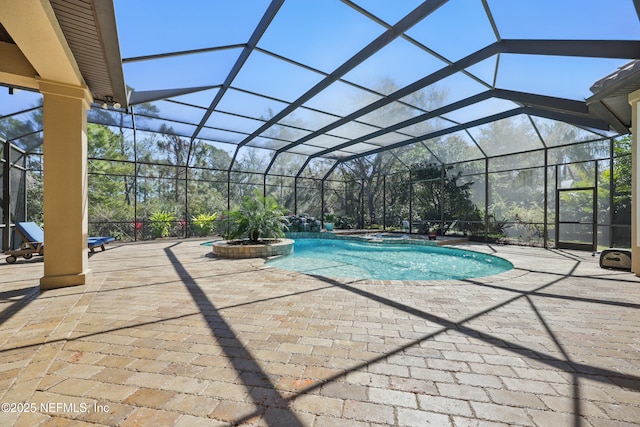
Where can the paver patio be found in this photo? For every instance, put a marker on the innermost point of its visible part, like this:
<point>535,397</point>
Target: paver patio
<point>165,334</point>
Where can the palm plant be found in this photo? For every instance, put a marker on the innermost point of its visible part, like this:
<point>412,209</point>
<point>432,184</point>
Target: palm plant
<point>258,217</point>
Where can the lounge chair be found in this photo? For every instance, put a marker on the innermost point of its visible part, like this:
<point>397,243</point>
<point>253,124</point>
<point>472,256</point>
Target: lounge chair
<point>98,242</point>
<point>33,242</point>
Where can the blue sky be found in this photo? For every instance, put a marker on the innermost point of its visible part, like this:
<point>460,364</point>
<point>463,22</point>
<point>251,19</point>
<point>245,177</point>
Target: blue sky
<point>322,34</point>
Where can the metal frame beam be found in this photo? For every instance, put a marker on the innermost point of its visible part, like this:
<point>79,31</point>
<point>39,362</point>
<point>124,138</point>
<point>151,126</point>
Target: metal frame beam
<point>563,116</point>
<point>414,120</point>
<point>260,29</point>
<point>622,49</point>
<point>479,122</point>
<point>570,107</point>
<point>600,109</point>
<point>182,53</point>
<point>582,48</point>
<point>407,90</point>
<point>415,16</point>
<point>577,120</point>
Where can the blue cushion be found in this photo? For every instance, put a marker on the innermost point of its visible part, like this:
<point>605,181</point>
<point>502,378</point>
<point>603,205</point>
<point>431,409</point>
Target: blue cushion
<point>98,241</point>
<point>31,231</point>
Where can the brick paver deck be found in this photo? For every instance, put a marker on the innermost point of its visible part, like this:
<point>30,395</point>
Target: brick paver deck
<point>167,335</point>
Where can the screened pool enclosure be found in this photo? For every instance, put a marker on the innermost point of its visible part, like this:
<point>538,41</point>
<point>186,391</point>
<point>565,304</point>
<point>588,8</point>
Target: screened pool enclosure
<point>491,119</point>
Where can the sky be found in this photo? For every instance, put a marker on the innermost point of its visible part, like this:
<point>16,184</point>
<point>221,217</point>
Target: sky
<point>322,34</point>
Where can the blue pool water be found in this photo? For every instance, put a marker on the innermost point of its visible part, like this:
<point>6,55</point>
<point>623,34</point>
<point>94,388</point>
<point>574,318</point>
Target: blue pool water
<point>360,260</point>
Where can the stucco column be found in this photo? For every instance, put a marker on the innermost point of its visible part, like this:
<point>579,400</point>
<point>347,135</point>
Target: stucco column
<point>65,185</point>
<point>634,100</point>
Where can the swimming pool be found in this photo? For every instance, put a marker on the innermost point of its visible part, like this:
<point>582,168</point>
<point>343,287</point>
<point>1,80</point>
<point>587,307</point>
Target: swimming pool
<point>350,259</point>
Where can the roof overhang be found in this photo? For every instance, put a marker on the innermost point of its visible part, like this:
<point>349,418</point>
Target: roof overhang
<point>44,40</point>
<point>611,96</point>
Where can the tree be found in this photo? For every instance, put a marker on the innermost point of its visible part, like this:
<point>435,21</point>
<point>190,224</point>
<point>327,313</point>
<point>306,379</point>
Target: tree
<point>439,194</point>
<point>371,170</point>
<point>207,180</point>
<point>175,150</point>
<point>109,201</point>
<point>118,120</point>
<point>180,176</point>
<point>622,181</point>
<point>25,132</point>
<point>621,209</point>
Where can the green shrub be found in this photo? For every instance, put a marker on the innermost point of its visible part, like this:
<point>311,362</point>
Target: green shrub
<point>345,222</point>
<point>496,227</point>
<point>160,223</point>
<point>203,224</point>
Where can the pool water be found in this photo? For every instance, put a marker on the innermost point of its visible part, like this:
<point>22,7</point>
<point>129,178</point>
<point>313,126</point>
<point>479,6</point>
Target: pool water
<point>360,260</point>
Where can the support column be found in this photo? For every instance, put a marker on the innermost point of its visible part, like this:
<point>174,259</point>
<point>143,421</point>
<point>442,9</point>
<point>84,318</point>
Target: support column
<point>634,100</point>
<point>65,185</point>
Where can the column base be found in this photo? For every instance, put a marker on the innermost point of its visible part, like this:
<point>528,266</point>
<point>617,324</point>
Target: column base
<point>65,280</point>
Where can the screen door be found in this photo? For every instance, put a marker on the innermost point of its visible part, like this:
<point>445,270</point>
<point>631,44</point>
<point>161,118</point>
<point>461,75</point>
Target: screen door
<point>576,218</point>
